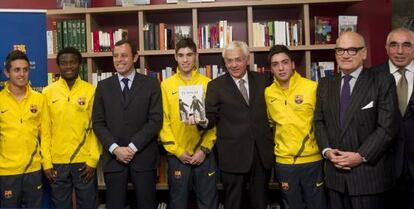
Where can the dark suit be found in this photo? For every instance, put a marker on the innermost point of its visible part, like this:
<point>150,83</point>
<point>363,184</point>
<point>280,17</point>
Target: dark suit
<point>244,140</point>
<point>403,150</point>
<point>137,120</point>
<point>366,130</point>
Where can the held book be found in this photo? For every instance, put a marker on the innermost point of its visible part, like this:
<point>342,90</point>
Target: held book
<point>191,102</point>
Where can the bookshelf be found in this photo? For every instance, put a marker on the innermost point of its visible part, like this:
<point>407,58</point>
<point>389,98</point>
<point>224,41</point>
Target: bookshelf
<point>239,14</point>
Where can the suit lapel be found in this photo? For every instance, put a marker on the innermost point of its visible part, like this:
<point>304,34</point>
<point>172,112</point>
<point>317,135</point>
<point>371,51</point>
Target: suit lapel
<point>410,107</point>
<point>358,93</point>
<point>334,94</point>
<point>234,89</point>
<point>252,88</point>
<point>135,87</point>
<point>117,91</point>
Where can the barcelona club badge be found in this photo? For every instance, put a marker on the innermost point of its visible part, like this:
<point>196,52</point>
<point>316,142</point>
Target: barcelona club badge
<point>8,194</point>
<point>177,174</point>
<point>298,99</point>
<point>81,101</point>
<point>33,108</point>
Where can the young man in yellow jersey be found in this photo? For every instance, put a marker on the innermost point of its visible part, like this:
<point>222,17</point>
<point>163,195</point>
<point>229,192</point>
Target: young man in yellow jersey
<point>72,154</point>
<point>190,164</point>
<point>291,101</point>
<point>24,122</point>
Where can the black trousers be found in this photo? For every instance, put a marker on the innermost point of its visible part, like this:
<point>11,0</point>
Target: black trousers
<point>340,200</point>
<point>302,185</point>
<point>21,191</point>
<point>253,184</point>
<point>144,183</point>
<point>68,180</point>
<point>202,179</point>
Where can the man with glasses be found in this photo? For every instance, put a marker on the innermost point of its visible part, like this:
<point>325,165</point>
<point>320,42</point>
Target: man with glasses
<point>235,104</point>
<point>400,50</point>
<point>354,128</point>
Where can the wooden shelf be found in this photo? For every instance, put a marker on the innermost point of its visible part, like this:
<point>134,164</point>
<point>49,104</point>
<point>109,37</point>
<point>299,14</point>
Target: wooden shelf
<point>242,15</point>
<point>181,6</point>
<point>296,48</point>
<point>156,52</point>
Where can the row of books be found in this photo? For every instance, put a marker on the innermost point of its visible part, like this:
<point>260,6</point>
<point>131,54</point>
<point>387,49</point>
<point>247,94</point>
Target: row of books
<point>288,33</point>
<point>324,26</point>
<point>103,41</point>
<point>217,35</point>
<point>162,36</point>
<point>66,33</point>
<point>322,69</point>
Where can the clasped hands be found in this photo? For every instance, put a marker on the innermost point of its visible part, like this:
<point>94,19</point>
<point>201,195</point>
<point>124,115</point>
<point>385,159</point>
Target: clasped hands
<point>344,160</point>
<point>124,154</point>
<point>196,159</point>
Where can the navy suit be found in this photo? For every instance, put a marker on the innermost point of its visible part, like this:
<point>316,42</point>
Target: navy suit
<point>137,120</point>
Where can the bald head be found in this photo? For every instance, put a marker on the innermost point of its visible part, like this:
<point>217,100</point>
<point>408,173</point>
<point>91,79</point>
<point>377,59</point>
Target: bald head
<point>354,36</point>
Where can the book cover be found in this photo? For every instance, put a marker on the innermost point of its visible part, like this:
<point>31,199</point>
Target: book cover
<point>347,23</point>
<point>323,30</point>
<point>181,31</point>
<point>326,69</point>
<point>191,102</point>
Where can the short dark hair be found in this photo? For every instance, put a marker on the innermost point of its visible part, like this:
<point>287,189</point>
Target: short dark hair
<point>15,55</point>
<point>277,49</point>
<point>184,43</point>
<point>69,50</point>
<point>130,43</point>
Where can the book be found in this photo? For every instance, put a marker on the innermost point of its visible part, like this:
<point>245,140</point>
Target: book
<point>181,31</point>
<point>64,4</point>
<point>131,2</point>
<point>323,30</point>
<point>326,69</point>
<point>191,102</point>
<point>347,23</point>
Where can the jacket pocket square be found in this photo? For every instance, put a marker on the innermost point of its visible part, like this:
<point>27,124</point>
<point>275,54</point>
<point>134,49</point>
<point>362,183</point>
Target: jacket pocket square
<point>369,105</point>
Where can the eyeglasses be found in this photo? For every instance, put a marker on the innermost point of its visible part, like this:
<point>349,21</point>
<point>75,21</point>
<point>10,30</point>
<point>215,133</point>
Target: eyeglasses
<point>405,46</point>
<point>351,51</point>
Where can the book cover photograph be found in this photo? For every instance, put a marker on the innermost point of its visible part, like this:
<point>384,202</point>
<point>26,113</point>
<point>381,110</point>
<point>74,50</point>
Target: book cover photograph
<point>191,102</point>
<point>347,23</point>
<point>323,30</point>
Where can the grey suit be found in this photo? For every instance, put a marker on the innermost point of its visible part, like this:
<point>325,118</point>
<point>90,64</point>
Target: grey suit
<point>137,120</point>
<point>367,130</point>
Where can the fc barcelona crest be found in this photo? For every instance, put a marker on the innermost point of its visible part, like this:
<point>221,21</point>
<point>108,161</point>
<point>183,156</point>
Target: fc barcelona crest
<point>81,101</point>
<point>298,99</point>
<point>177,174</point>
<point>33,108</point>
<point>8,194</point>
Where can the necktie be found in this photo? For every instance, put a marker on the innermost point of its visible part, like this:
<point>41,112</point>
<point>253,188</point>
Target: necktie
<point>345,98</point>
<point>402,91</point>
<point>125,91</point>
<point>243,90</point>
